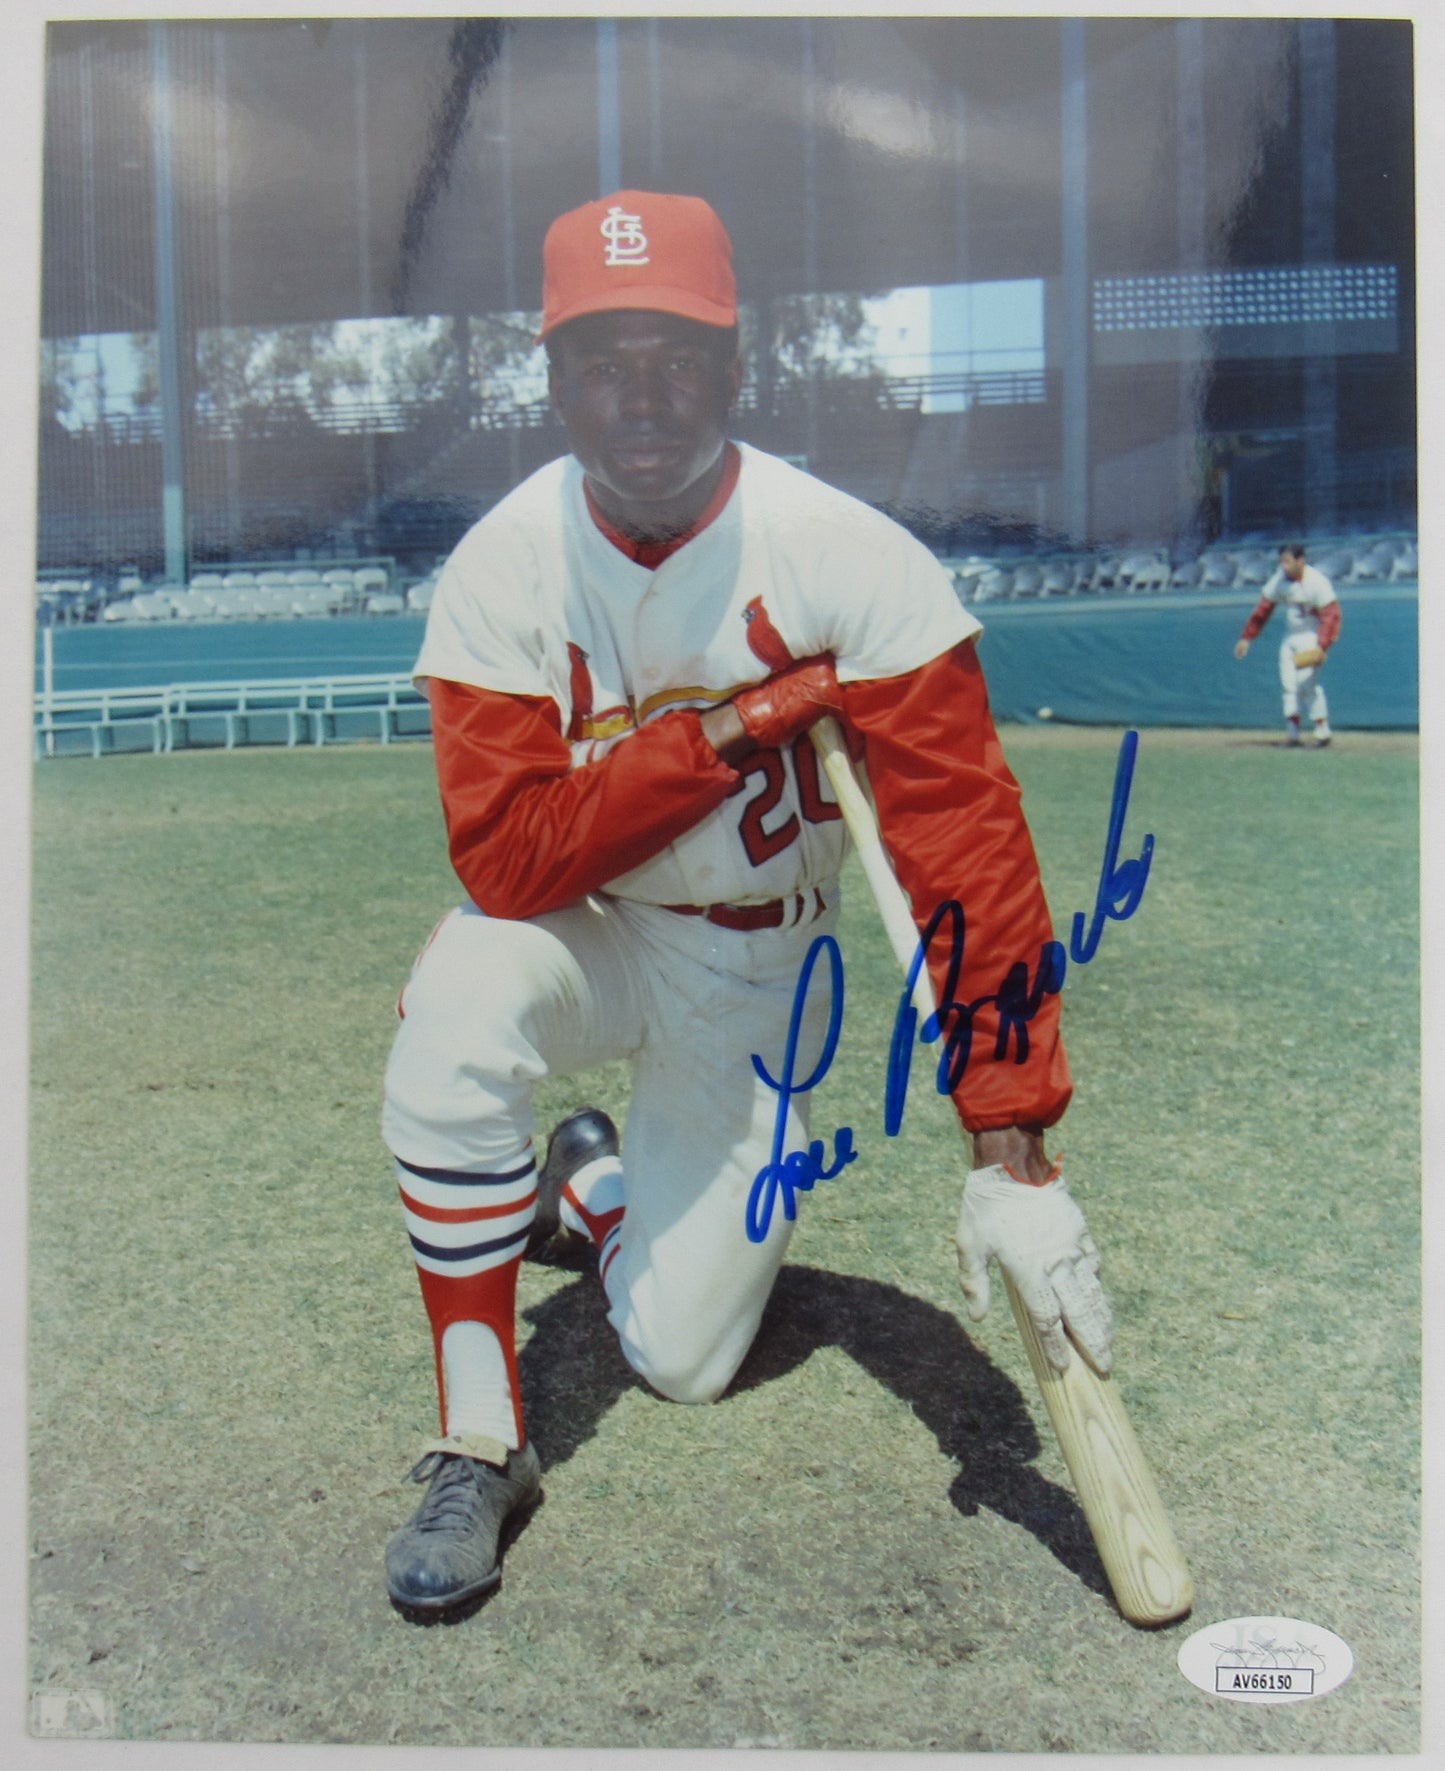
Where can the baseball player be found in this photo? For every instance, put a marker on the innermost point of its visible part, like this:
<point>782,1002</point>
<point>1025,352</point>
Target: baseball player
<point>1312,625</point>
<point>623,659</point>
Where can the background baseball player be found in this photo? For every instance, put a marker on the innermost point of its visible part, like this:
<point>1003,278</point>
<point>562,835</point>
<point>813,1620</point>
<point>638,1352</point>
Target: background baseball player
<point>623,660</point>
<point>1312,625</point>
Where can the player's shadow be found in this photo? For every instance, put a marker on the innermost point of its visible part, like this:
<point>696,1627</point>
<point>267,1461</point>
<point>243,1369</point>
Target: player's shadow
<point>572,1372</point>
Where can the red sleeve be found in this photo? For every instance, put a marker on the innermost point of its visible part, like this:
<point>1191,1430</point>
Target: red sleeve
<point>1329,628</point>
<point>1263,609</point>
<point>952,816</point>
<point>526,830</point>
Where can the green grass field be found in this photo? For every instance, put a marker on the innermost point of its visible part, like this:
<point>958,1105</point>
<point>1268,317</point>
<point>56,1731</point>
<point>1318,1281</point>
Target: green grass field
<point>870,1542</point>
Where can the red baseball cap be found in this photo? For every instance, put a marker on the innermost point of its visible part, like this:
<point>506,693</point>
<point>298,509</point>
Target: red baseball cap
<point>638,249</point>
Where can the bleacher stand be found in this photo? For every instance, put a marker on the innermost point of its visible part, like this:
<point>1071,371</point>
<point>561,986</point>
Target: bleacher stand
<point>245,593</point>
<point>273,592</point>
<point>65,601</point>
<point>1387,559</point>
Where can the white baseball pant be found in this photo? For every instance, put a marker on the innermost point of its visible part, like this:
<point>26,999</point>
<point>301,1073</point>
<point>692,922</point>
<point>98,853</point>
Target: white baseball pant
<point>493,1006</point>
<point>1301,685</point>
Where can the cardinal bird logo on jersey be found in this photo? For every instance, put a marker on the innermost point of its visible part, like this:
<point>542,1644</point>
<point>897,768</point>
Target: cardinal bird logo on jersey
<point>764,640</point>
<point>586,722</point>
<point>580,689</point>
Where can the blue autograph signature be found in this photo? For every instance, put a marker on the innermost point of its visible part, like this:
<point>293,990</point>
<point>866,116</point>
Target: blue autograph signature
<point>1121,883</point>
<point>800,1171</point>
<point>1018,999</point>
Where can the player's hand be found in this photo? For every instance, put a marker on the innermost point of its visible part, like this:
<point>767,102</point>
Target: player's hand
<point>1308,658</point>
<point>1241,648</point>
<point>1042,1243</point>
<point>775,711</point>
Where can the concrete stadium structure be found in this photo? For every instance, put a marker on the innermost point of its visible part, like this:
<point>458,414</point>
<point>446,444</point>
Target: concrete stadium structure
<point>1216,215</point>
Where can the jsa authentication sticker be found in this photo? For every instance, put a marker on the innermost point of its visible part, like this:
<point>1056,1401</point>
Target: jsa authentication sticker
<point>1265,1660</point>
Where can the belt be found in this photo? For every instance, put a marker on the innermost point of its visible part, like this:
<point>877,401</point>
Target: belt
<point>748,917</point>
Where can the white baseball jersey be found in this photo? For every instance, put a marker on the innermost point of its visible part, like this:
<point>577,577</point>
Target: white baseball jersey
<point>536,601</point>
<point>1303,601</point>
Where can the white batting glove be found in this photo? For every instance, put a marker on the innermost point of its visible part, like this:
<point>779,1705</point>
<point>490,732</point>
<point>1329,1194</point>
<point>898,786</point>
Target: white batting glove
<point>1044,1246</point>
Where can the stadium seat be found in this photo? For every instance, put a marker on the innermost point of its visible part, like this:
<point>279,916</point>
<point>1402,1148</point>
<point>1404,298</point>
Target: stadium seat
<point>1144,572</point>
<point>966,576</point>
<point>1028,580</point>
<point>1254,568</point>
<point>1128,572</point>
<point>385,603</point>
<point>1105,573</point>
<point>1217,571</point>
<point>1406,563</point>
<point>995,583</point>
<point>1375,562</point>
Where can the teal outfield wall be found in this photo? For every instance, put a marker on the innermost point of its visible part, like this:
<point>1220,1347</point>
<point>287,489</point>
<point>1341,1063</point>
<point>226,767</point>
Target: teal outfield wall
<point>1169,660</point>
<point>1141,661</point>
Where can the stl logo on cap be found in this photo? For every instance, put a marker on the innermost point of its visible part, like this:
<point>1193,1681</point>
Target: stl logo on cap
<point>659,250</point>
<point>626,242</point>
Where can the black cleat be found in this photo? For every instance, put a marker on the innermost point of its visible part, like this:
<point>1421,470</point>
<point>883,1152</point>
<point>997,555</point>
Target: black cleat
<point>578,1139</point>
<point>447,1552</point>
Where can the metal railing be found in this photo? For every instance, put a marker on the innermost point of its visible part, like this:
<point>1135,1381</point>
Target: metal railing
<point>177,716</point>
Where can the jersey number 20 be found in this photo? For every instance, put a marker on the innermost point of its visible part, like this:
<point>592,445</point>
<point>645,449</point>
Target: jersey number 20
<point>760,843</point>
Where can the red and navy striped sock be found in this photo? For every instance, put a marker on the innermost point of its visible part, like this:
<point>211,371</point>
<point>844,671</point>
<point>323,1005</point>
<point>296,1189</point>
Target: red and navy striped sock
<point>592,1204</point>
<point>468,1231</point>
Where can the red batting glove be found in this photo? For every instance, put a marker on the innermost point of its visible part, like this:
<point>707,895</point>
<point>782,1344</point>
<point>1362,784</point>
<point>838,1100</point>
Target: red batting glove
<point>774,711</point>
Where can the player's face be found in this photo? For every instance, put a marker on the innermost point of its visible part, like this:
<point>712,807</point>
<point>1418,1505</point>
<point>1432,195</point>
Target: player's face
<point>645,399</point>
<point>1292,567</point>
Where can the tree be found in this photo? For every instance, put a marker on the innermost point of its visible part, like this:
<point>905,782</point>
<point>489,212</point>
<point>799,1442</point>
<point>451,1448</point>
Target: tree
<point>417,361</point>
<point>61,382</point>
<point>145,348</point>
<point>250,373</point>
<point>820,337</point>
<point>794,342</point>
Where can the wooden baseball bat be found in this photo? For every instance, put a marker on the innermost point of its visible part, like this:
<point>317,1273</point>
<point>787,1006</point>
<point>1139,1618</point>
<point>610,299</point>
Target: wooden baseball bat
<point>1132,1534</point>
<point>1142,1559</point>
<point>862,822</point>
